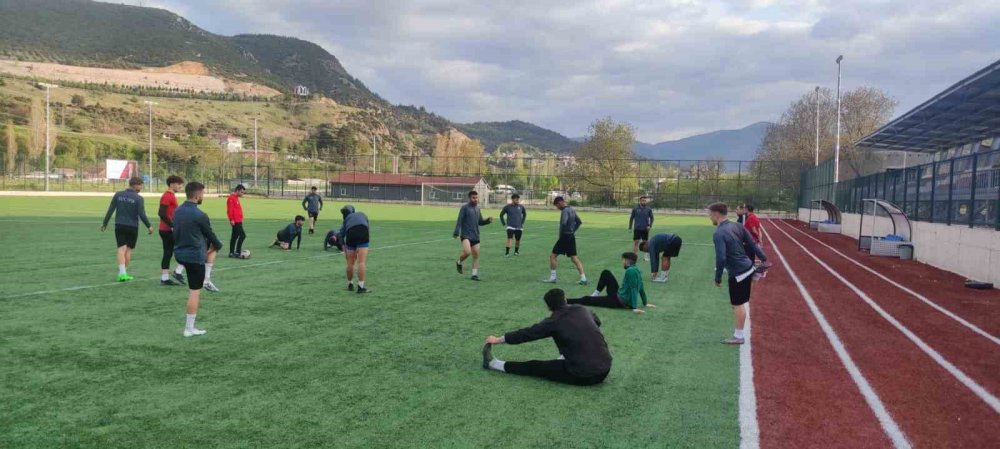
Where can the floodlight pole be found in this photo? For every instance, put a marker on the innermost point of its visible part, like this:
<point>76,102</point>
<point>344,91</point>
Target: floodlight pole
<point>836,150</point>
<point>150,104</point>
<point>48,150</point>
<point>817,125</point>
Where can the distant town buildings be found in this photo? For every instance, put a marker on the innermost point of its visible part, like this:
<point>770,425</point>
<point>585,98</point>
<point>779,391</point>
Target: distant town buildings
<point>301,91</point>
<point>230,143</point>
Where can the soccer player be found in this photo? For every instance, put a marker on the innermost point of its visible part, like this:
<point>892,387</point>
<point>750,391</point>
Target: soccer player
<point>234,210</point>
<point>584,357</point>
<point>515,215</point>
<point>625,297</point>
<point>740,214</point>
<point>291,232</point>
<point>168,204</point>
<point>193,235</point>
<point>752,223</point>
<point>332,240</point>
<point>128,208</point>
<point>312,203</point>
<point>640,222</point>
<point>730,240</point>
<point>569,223</point>
<point>662,247</point>
<point>470,218</point>
<point>354,233</point>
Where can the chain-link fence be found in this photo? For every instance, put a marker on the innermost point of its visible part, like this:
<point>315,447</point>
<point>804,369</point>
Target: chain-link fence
<point>611,183</point>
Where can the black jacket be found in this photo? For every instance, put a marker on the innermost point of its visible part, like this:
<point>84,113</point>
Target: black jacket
<point>576,331</point>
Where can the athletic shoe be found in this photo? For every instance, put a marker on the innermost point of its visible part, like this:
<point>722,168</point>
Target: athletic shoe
<point>124,278</point>
<point>475,277</point>
<point>645,257</point>
<point>178,277</point>
<point>167,282</point>
<point>458,266</point>
<point>583,282</point>
<point>233,255</point>
<point>210,286</point>
<point>350,287</point>
<point>550,280</point>
<point>507,255</point>
<point>487,355</point>
<point>362,290</point>
<point>757,276</point>
<point>661,279</point>
<point>312,231</point>
<point>733,341</point>
<point>194,332</point>
<point>516,253</point>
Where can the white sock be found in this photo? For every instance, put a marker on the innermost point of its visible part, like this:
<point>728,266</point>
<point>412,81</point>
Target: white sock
<point>561,357</point>
<point>738,333</point>
<point>121,269</point>
<point>361,284</point>
<point>180,269</point>
<point>596,293</point>
<point>552,275</point>
<point>208,272</point>
<point>583,277</point>
<point>475,271</point>
<point>189,325</point>
<point>497,364</point>
<point>164,277</point>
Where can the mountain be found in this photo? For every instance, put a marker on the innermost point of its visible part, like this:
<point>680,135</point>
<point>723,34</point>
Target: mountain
<point>492,134</point>
<point>731,145</point>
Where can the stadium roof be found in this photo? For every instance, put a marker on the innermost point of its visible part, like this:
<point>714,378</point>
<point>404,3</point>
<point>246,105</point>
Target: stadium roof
<point>393,179</point>
<point>964,113</point>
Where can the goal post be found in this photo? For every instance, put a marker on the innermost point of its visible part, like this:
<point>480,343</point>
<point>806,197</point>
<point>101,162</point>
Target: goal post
<point>448,193</point>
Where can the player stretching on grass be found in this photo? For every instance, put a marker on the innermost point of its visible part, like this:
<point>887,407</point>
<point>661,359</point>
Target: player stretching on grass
<point>291,232</point>
<point>640,222</point>
<point>168,204</point>
<point>312,203</point>
<point>584,357</point>
<point>515,215</point>
<point>730,240</point>
<point>193,233</point>
<point>662,248</point>
<point>625,297</point>
<point>470,218</point>
<point>354,234</point>
<point>234,211</point>
<point>569,223</point>
<point>128,208</point>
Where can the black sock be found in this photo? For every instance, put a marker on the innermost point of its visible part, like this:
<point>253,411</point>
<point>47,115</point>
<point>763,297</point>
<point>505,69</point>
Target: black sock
<point>517,249</point>
<point>508,250</point>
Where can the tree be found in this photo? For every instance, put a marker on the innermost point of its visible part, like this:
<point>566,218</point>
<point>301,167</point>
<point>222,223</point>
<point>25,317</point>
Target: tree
<point>78,101</point>
<point>8,139</point>
<point>605,163</point>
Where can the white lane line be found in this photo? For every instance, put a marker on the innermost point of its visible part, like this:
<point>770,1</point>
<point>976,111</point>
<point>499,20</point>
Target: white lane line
<point>889,425</point>
<point>749,429</point>
<point>948,313</point>
<point>260,264</point>
<point>986,396</point>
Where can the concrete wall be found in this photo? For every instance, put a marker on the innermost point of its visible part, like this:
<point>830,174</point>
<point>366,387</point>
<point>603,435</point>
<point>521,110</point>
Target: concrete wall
<point>970,252</point>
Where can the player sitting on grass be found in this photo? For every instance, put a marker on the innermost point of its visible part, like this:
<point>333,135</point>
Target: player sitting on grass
<point>168,204</point>
<point>291,232</point>
<point>332,240</point>
<point>354,234</point>
<point>584,357</point>
<point>662,247</point>
<point>625,297</point>
<point>312,203</point>
<point>128,208</point>
<point>470,219</point>
<point>513,216</point>
<point>569,223</point>
<point>730,240</point>
<point>192,233</point>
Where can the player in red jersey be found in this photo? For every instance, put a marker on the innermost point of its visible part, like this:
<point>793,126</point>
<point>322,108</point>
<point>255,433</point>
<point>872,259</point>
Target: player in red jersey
<point>168,204</point>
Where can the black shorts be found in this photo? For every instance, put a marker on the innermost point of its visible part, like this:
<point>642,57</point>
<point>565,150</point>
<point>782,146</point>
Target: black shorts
<point>472,242</point>
<point>195,274</point>
<point>641,235</point>
<point>739,292</point>
<point>356,237</point>
<point>126,236</point>
<point>514,234</point>
<point>313,215</point>
<point>566,245</point>
<point>673,248</point>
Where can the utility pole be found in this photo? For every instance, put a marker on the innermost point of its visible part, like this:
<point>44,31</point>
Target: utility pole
<point>817,125</point>
<point>48,150</point>
<point>255,152</point>
<point>374,151</point>
<point>150,104</point>
<point>836,151</point>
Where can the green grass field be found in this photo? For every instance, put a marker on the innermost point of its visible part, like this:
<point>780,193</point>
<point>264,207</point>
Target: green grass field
<point>292,359</point>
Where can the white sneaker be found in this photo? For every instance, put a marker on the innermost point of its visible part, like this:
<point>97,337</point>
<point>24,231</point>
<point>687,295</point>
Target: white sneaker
<point>550,280</point>
<point>645,257</point>
<point>210,286</point>
<point>193,332</point>
<point>660,279</point>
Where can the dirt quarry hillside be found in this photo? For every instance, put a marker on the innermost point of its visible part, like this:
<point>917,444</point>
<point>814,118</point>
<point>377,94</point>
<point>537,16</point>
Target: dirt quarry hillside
<point>185,75</point>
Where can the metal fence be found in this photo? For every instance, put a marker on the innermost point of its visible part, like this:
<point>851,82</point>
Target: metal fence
<point>963,190</point>
<point>672,184</point>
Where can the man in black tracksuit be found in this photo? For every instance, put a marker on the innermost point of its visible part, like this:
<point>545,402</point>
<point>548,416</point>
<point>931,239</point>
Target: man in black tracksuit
<point>584,359</point>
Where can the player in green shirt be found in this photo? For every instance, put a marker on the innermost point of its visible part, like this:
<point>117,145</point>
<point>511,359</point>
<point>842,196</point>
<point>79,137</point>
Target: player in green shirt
<point>626,296</point>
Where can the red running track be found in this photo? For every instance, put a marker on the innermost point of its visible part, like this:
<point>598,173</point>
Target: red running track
<point>805,396</point>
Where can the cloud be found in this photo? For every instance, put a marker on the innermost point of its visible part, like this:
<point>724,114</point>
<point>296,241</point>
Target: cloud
<point>670,67</point>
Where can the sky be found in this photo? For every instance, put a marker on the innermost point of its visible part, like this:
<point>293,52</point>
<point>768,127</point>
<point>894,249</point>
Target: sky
<point>672,68</point>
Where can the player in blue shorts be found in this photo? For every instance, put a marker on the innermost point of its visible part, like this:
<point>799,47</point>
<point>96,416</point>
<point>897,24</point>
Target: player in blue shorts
<point>354,235</point>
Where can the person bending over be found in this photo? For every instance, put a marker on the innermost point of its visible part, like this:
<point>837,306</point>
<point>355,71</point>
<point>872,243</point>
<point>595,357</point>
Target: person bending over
<point>625,297</point>
<point>662,247</point>
<point>332,240</point>
<point>584,357</point>
<point>354,234</point>
<point>291,232</point>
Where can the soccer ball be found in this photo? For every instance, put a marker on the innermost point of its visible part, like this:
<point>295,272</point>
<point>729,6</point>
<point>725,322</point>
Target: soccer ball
<point>245,254</point>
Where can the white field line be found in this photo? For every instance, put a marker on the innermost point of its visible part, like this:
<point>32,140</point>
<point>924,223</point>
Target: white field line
<point>923,298</point>
<point>260,264</point>
<point>986,396</point>
<point>889,425</point>
<point>749,429</point>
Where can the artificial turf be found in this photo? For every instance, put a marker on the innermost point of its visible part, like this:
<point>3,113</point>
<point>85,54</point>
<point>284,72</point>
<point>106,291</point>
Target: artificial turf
<point>292,359</point>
